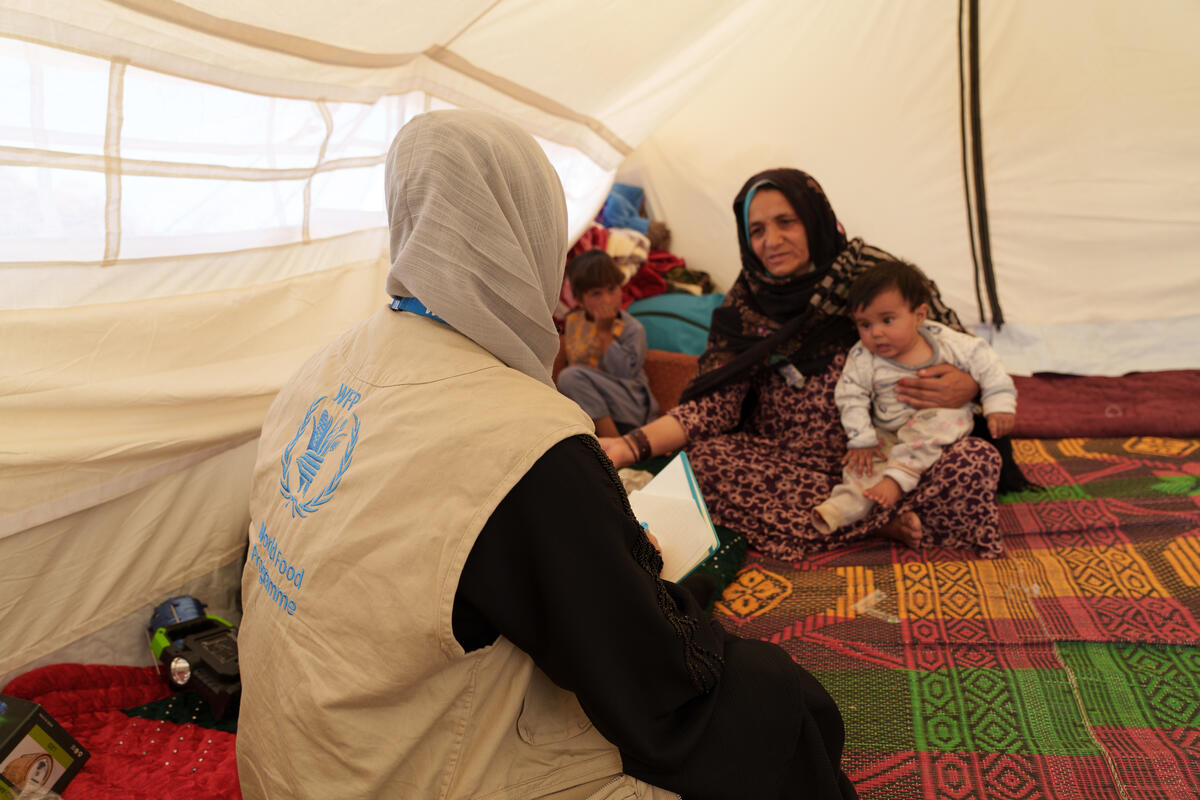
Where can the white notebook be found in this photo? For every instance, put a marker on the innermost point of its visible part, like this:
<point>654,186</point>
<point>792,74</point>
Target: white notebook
<point>672,506</point>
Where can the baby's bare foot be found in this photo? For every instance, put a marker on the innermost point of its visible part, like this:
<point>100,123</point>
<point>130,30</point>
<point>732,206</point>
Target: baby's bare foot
<point>905,529</point>
<point>887,492</point>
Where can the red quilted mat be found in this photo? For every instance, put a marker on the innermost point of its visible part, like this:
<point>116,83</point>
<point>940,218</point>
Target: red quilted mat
<point>1138,404</point>
<point>132,758</point>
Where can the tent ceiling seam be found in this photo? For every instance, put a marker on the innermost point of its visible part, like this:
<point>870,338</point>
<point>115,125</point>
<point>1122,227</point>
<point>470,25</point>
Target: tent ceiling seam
<point>454,61</point>
<point>287,44</point>
<point>471,24</point>
<point>183,257</point>
<point>68,38</point>
<point>286,89</point>
<point>87,162</point>
<point>263,38</point>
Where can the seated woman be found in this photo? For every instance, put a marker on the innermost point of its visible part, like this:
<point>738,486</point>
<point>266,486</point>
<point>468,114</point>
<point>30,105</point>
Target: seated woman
<point>420,620</point>
<point>759,421</point>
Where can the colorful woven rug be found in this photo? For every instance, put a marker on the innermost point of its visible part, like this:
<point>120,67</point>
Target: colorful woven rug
<point>1069,669</point>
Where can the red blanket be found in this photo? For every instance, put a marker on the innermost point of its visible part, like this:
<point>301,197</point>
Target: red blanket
<point>132,758</point>
<point>1138,404</point>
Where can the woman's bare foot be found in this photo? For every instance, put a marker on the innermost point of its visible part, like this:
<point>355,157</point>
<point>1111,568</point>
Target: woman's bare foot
<point>905,529</point>
<point>887,492</point>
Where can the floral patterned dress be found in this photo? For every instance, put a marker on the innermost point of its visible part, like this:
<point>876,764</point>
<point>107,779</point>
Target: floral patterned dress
<point>764,477</point>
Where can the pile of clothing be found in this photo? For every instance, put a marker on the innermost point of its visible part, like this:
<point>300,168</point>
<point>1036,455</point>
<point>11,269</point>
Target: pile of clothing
<point>639,246</point>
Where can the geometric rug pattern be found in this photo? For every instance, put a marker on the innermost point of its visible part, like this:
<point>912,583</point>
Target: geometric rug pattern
<point>1069,668</point>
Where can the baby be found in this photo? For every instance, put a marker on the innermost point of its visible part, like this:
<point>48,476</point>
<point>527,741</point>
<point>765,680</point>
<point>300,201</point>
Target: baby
<point>889,305</point>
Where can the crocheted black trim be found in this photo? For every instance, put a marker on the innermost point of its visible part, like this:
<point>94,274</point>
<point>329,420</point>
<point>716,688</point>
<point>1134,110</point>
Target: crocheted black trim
<point>703,665</point>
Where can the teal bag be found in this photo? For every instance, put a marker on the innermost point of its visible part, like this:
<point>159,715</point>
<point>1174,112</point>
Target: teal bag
<point>676,321</point>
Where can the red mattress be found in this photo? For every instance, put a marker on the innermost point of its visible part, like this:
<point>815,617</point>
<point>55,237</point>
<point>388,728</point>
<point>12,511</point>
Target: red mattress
<point>1138,404</point>
<point>132,757</point>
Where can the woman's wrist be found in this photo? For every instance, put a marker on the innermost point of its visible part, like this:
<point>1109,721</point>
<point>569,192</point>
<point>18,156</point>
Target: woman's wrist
<point>639,444</point>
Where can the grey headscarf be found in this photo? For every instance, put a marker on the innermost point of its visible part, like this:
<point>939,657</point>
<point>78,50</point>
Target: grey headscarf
<point>479,232</point>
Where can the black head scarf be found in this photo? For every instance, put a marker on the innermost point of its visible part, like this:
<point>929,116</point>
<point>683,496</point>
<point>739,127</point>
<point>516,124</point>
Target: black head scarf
<point>800,317</point>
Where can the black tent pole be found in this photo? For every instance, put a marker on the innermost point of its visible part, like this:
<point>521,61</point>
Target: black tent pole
<point>963,103</point>
<point>981,215</point>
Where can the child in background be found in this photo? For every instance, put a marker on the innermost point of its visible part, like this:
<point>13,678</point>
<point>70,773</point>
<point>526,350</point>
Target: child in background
<point>889,443</point>
<point>605,349</point>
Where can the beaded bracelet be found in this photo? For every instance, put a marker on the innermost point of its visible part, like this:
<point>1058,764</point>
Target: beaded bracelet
<point>632,447</point>
<point>639,444</point>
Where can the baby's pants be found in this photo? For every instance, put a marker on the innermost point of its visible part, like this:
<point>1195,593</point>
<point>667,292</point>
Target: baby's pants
<point>909,453</point>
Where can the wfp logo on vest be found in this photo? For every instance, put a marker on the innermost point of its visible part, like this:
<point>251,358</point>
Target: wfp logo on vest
<point>331,426</point>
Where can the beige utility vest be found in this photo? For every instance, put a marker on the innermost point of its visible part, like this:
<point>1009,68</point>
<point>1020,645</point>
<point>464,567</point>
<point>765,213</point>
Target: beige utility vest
<point>379,464</point>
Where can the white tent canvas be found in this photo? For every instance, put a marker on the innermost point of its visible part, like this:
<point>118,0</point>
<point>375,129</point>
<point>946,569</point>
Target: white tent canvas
<point>192,202</point>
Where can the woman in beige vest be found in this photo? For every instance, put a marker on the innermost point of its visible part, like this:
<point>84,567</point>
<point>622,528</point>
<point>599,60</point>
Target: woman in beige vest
<point>447,595</point>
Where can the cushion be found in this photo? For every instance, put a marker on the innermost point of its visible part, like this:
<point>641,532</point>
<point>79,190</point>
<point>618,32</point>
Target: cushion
<point>676,321</point>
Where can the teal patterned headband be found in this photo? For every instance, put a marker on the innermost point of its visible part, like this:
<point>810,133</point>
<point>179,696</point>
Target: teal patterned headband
<point>746,204</point>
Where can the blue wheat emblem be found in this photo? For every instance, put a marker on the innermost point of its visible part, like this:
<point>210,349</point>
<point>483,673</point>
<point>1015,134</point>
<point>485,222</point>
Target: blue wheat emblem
<point>325,437</point>
<point>327,433</point>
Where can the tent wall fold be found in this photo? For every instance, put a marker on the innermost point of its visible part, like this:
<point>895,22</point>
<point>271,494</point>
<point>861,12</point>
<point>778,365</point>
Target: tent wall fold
<point>69,578</point>
<point>100,400</point>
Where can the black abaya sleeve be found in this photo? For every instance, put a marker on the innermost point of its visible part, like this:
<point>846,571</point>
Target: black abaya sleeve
<point>564,572</point>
